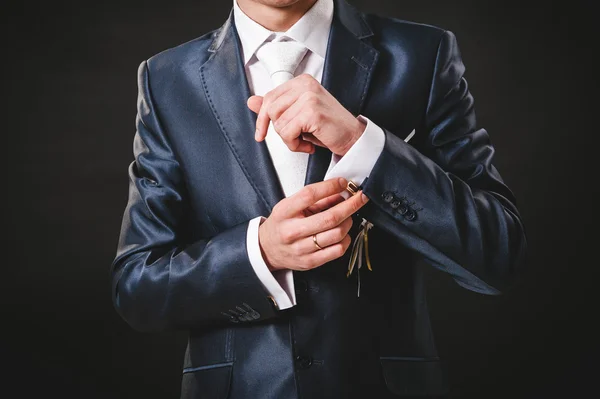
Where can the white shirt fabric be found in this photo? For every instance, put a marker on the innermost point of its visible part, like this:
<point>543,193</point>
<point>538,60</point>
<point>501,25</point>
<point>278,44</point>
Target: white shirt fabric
<point>312,30</point>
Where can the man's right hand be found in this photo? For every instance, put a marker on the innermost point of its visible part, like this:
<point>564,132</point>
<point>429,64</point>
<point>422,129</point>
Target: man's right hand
<point>286,236</point>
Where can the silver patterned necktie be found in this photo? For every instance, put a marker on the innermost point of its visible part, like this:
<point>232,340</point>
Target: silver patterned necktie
<point>281,58</point>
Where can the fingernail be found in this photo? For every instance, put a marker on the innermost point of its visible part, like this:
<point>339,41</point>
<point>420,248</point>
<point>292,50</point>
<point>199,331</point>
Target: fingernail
<point>364,198</point>
<point>342,181</point>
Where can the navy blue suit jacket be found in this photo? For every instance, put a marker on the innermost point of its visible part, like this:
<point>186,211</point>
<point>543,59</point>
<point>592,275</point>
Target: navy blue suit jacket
<point>199,176</point>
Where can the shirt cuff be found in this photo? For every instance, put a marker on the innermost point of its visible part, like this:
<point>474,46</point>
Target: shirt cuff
<point>280,283</point>
<point>358,162</point>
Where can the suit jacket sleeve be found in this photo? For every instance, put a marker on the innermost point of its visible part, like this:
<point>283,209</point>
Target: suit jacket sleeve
<point>445,199</point>
<point>158,280</point>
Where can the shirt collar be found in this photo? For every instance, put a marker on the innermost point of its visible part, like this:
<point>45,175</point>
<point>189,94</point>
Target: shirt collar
<point>312,29</point>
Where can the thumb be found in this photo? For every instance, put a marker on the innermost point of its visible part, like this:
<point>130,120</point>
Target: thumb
<point>254,103</point>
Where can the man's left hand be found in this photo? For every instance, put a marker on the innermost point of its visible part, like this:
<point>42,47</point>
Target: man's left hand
<point>305,114</point>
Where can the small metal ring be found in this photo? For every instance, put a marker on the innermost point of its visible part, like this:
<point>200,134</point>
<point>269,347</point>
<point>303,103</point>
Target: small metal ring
<point>315,241</point>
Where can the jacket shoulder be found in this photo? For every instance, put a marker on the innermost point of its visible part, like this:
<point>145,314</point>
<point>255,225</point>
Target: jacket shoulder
<point>192,52</point>
<point>393,29</point>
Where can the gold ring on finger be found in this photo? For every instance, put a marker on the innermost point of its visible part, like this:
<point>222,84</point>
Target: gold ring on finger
<point>315,241</point>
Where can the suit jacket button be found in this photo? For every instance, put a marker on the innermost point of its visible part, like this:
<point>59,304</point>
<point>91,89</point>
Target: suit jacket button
<point>410,215</point>
<point>388,196</point>
<point>304,362</point>
<point>402,209</point>
<point>395,203</point>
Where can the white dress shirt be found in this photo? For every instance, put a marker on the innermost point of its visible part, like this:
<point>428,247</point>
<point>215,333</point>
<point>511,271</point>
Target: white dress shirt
<point>312,30</point>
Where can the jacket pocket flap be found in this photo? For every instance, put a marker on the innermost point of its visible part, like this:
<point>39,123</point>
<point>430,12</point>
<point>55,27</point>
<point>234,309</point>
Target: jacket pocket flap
<point>209,382</point>
<point>414,375</point>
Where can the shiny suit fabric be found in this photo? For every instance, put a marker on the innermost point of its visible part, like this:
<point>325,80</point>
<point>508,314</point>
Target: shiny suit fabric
<point>199,176</point>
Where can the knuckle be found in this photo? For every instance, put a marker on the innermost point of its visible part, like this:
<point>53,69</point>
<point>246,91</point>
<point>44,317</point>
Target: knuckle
<point>271,112</point>
<point>340,233</point>
<point>276,112</point>
<point>308,194</point>
<point>312,84</point>
<point>334,185</point>
<point>277,207</point>
<point>306,78</point>
<point>267,98</point>
<point>329,220</point>
<point>285,138</point>
<point>312,98</point>
<point>306,264</point>
<point>345,226</point>
<point>307,96</point>
<point>358,202</point>
<point>346,242</point>
<point>317,116</point>
<point>287,236</point>
<point>296,248</point>
<point>301,232</point>
<point>280,207</point>
<point>290,143</point>
<point>294,144</point>
<point>338,250</point>
<point>350,223</point>
<point>279,123</point>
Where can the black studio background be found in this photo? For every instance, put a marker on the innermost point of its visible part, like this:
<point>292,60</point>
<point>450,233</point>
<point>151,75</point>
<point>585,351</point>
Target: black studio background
<point>68,105</point>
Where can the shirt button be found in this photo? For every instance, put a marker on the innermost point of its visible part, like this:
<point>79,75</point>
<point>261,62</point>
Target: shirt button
<point>304,362</point>
<point>388,196</point>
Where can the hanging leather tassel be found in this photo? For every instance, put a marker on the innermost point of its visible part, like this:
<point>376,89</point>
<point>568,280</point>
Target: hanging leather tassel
<point>361,241</point>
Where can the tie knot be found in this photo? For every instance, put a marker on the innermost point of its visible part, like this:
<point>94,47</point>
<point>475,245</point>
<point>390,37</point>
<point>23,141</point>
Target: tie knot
<point>281,58</point>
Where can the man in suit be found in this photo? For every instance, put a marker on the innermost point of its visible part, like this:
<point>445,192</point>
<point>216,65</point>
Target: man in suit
<point>242,209</point>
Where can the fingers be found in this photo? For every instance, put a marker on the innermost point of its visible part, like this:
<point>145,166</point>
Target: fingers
<point>282,106</point>
<point>312,139</point>
<point>326,254</point>
<point>300,84</point>
<point>301,145</point>
<point>308,196</point>
<point>331,217</point>
<point>325,203</point>
<point>287,107</point>
<point>325,238</point>
<point>254,103</point>
<point>296,120</point>
<point>263,119</point>
<point>280,112</point>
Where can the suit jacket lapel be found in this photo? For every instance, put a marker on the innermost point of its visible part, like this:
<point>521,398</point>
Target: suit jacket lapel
<point>226,87</point>
<point>347,72</point>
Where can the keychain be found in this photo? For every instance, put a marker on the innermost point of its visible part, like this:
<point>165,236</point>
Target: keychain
<point>362,238</point>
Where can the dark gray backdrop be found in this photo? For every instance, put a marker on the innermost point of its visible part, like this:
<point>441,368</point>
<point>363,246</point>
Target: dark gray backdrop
<point>69,102</point>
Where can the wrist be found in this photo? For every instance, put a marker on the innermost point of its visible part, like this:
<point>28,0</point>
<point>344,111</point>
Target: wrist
<point>357,131</point>
<point>262,251</point>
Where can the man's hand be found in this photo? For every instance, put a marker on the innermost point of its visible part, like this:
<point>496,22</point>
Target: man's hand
<point>304,114</point>
<point>285,237</point>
